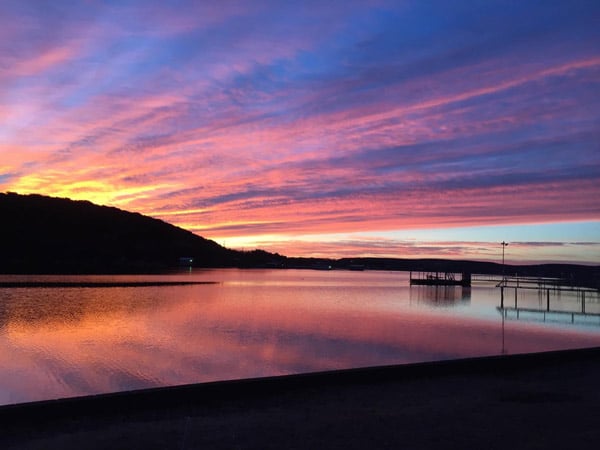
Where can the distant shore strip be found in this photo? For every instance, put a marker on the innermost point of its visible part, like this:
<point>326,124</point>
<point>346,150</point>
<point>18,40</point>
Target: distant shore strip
<point>95,284</point>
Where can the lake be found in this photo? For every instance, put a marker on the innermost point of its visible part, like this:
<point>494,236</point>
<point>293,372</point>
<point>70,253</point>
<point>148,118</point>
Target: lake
<point>72,341</point>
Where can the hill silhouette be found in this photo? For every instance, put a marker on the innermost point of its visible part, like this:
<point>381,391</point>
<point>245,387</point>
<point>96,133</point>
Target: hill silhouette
<point>41,234</point>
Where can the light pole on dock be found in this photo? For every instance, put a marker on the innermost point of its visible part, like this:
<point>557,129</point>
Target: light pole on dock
<point>504,244</point>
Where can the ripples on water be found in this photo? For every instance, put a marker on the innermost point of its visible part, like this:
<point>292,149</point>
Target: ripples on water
<point>58,342</point>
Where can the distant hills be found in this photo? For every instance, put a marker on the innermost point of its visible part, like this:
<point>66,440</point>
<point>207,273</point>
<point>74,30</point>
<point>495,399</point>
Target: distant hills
<point>40,234</point>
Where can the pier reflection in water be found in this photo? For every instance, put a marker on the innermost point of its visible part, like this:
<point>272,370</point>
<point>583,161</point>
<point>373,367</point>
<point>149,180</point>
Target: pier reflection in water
<point>442,296</point>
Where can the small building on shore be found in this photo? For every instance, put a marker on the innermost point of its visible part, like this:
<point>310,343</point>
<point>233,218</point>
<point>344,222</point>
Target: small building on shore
<point>185,261</point>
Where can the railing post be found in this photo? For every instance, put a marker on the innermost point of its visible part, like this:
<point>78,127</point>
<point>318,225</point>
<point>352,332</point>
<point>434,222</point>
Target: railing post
<point>502,297</point>
<point>583,302</point>
<point>548,299</point>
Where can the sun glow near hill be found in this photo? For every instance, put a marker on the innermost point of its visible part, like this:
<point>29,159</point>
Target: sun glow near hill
<point>96,191</point>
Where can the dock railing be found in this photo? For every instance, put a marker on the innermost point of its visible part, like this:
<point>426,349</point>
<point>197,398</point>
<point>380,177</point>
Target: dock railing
<point>579,302</point>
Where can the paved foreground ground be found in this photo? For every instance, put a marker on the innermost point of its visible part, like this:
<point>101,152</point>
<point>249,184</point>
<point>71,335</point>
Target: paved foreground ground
<point>540,401</point>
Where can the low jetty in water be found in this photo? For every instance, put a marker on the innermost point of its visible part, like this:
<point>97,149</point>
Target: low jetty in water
<point>440,279</point>
<point>95,284</point>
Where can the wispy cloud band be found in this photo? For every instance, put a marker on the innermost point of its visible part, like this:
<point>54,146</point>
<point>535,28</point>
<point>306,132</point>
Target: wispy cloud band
<point>268,118</point>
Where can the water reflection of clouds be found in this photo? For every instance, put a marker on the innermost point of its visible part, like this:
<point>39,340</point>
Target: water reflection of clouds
<point>44,306</point>
<point>142,337</point>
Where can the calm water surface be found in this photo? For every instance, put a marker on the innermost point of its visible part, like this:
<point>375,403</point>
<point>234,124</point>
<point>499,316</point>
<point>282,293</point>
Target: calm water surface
<point>61,342</point>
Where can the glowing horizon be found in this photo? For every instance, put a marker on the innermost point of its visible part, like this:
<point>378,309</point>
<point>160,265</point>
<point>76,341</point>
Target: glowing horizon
<point>384,128</point>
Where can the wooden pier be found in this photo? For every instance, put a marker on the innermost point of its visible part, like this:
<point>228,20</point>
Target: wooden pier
<point>582,301</point>
<point>440,279</point>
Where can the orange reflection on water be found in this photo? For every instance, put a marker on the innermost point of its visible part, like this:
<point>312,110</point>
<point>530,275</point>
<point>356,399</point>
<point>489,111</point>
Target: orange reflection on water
<point>64,342</point>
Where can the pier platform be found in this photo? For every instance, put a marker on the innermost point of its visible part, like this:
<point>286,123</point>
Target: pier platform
<point>440,279</point>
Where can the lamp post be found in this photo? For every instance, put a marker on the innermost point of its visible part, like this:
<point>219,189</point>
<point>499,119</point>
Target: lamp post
<point>504,244</point>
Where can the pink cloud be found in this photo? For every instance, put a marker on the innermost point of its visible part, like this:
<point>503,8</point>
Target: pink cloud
<point>238,134</point>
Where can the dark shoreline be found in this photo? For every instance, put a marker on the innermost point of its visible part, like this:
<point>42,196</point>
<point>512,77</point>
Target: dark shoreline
<point>541,400</point>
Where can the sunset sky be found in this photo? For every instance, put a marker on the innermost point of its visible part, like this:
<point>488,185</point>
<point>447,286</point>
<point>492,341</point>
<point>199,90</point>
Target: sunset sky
<point>406,128</point>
